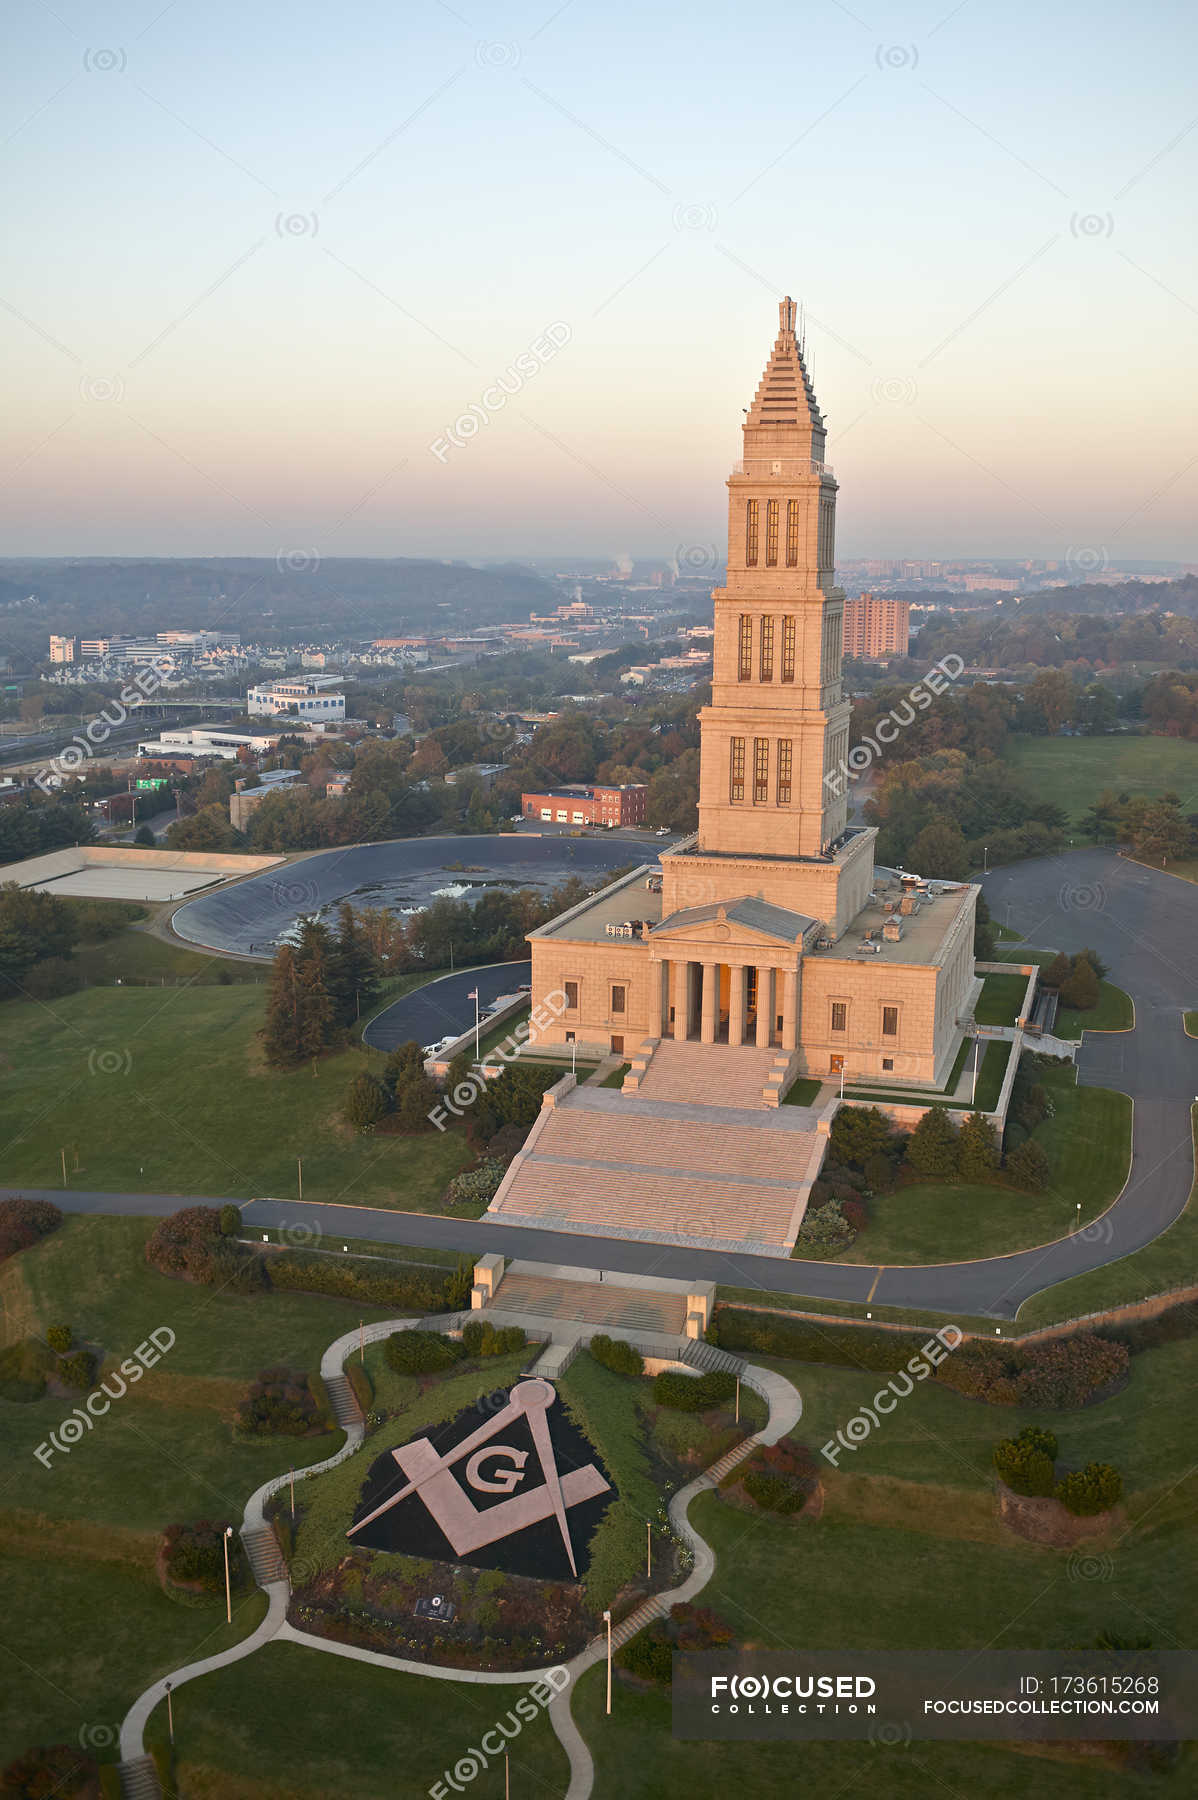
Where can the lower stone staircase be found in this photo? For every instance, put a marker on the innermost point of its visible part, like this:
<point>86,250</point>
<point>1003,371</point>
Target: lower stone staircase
<point>343,1401</point>
<point>708,1357</point>
<point>266,1559</point>
<point>139,1779</point>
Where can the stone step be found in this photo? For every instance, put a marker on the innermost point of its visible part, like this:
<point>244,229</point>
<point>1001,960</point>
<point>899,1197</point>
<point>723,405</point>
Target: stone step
<point>266,1559</point>
<point>702,1355</point>
<point>592,1303</point>
<point>139,1779</point>
<point>344,1401</point>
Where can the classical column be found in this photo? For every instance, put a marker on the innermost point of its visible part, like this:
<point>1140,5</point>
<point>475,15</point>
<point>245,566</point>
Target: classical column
<point>656,998</point>
<point>765,1007</point>
<point>736,1006</point>
<point>680,995</point>
<point>790,997</point>
<point>711,989</point>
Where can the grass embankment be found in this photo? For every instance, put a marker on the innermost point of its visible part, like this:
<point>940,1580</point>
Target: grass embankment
<point>87,1623</point>
<point>1168,1262</point>
<point>1190,1021</point>
<point>1114,1011</point>
<point>1088,1143</point>
<point>1000,1000</point>
<point>168,1092</point>
<point>908,1519</point>
<point>802,1092</point>
<point>296,1725</point>
<point>1077,771</point>
<point>615,1078</point>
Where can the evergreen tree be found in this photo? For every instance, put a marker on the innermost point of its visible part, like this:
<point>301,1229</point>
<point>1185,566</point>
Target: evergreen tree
<point>1080,990</point>
<point>367,1101</point>
<point>405,1061</point>
<point>859,1132</point>
<point>977,1148</point>
<point>415,1098</point>
<point>282,1033</point>
<point>353,968</point>
<point>1056,971</point>
<point>933,1147</point>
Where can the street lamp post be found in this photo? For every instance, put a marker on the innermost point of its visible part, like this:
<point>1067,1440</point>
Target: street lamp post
<point>299,1170</point>
<point>973,1084</point>
<point>170,1713</point>
<point>607,1621</point>
<point>228,1584</point>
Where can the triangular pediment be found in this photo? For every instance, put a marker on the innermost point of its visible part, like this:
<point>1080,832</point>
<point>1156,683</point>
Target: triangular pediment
<point>745,921</point>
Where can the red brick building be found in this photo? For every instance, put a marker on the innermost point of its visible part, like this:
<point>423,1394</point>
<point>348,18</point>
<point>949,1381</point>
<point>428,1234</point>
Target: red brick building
<point>584,805</point>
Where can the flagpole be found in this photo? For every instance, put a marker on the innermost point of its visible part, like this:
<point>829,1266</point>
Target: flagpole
<point>477,1051</point>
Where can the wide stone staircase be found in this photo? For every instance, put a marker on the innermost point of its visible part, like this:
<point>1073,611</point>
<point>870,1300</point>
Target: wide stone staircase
<point>619,1309</point>
<point>618,1165</point>
<point>707,1074</point>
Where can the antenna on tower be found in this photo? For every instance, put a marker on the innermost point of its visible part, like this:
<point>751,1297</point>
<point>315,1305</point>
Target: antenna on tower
<point>803,328</point>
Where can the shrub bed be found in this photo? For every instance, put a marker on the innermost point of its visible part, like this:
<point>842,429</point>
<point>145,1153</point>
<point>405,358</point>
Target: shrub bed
<point>360,1278</point>
<point>190,1246</point>
<point>77,1370</point>
<point>1025,1462</point>
<point>650,1654</point>
<point>1094,1489</point>
<point>194,1556</point>
<point>473,1185</point>
<point>778,1477</point>
<point>284,1402</point>
<point>1060,1375</point>
<point>23,1222</point>
<point>480,1338</point>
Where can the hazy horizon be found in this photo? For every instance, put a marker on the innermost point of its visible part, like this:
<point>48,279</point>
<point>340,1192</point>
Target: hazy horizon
<point>258,269</point>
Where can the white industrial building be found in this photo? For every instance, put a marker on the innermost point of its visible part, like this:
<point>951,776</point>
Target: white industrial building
<point>205,740</point>
<point>311,698</point>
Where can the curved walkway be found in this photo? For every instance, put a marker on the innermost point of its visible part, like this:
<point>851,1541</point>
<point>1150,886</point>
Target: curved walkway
<point>785,1410</point>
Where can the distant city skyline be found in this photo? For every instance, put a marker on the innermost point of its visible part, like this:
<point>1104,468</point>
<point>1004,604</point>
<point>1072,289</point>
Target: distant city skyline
<point>268,280</point>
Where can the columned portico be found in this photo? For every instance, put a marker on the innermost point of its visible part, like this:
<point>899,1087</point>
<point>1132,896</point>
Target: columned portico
<point>736,1005</point>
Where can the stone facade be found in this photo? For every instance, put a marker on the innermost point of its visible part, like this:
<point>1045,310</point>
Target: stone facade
<point>772,926</point>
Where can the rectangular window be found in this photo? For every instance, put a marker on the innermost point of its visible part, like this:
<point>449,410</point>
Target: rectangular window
<point>618,999</point>
<point>771,534</point>
<point>751,534</point>
<point>840,1015</point>
<point>571,988</point>
<point>888,1062</point>
<point>792,534</point>
<point>744,664</point>
<point>767,649</point>
<point>785,762</point>
<point>736,769</point>
<point>788,648</point>
<point>890,1021</point>
<point>761,771</point>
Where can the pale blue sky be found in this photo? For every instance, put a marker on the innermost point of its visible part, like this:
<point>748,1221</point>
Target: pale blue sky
<point>259,259</point>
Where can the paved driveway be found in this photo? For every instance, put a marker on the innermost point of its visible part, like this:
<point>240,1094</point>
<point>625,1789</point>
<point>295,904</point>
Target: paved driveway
<point>444,1007</point>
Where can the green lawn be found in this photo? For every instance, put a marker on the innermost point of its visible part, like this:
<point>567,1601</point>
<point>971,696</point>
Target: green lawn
<point>166,1091</point>
<point>299,1724</point>
<point>1000,1000</point>
<point>802,1092</point>
<point>1168,1262</point>
<point>81,1638</point>
<point>636,1758</point>
<point>1075,771</point>
<point>992,1068</point>
<point>1114,1012</point>
<point>499,1034</point>
<point>1088,1144</point>
<point>1190,1021</point>
<point>615,1079</point>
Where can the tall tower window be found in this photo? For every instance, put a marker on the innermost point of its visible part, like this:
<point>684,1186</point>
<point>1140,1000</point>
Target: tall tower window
<point>744,669</point>
<point>792,534</point>
<point>771,534</point>
<point>785,764</point>
<point>736,769</point>
<point>751,510</point>
<point>761,771</point>
<point>788,647</point>
<point>767,649</point>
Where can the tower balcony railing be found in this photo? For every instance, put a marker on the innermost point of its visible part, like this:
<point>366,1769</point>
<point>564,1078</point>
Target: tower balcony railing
<point>794,467</point>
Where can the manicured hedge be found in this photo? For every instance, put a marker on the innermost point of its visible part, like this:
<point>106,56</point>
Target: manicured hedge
<point>374,1283</point>
<point>616,1355</point>
<point>691,1393</point>
<point>736,1328</point>
<point>420,1352</point>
